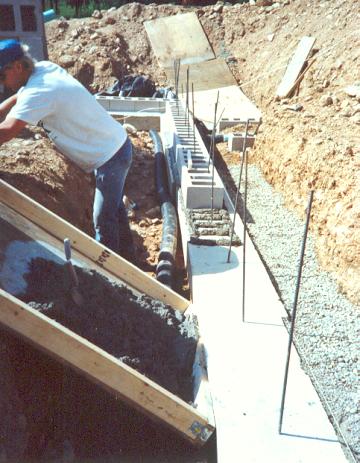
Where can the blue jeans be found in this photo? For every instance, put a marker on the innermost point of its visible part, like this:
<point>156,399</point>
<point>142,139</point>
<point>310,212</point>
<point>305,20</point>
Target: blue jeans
<point>110,217</point>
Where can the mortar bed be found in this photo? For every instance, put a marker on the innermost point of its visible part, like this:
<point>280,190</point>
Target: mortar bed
<point>64,409</point>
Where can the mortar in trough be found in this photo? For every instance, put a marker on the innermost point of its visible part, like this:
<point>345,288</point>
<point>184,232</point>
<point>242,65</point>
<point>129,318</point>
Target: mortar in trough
<point>140,331</point>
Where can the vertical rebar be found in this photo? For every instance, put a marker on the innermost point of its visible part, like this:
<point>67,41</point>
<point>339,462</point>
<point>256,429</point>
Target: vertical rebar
<point>182,90</point>
<point>238,188</point>
<point>176,78</point>
<point>213,165</point>
<point>293,313</point>
<point>212,154</point>
<point>244,234</point>
<point>188,99</point>
<point>193,115</point>
<point>213,132</point>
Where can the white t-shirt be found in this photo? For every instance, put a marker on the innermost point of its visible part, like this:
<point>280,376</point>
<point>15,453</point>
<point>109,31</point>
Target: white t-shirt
<point>77,124</point>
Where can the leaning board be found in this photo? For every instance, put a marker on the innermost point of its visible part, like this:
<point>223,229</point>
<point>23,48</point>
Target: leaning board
<point>178,37</point>
<point>295,66</point>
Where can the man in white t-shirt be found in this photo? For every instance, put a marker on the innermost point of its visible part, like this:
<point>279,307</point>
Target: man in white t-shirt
<point>82,130</point>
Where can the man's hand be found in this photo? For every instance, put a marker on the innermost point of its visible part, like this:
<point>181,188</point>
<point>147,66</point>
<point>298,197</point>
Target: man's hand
<point>10,128</point>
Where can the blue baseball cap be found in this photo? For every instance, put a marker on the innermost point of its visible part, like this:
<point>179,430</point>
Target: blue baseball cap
<point>10,50</point>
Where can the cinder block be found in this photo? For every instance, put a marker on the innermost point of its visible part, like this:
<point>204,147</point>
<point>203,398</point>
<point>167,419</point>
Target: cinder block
<point>104,102</point>
<point>199,196</point>
<point>236,141</point>
<point>132,104</point>
<point>196,181</point>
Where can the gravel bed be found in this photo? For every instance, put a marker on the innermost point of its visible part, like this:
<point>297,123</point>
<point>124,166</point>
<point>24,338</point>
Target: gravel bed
<point>327,333</point>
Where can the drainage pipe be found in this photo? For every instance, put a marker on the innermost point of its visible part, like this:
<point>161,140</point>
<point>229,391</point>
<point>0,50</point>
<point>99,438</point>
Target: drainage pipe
<point>166,259</point>
<point>219,138</point>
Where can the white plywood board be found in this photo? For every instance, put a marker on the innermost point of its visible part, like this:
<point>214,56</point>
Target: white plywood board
<point>178,37</point>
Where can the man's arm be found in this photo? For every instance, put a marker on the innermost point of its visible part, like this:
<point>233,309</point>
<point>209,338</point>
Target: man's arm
<point>6,105</point>
<point>10,128</point>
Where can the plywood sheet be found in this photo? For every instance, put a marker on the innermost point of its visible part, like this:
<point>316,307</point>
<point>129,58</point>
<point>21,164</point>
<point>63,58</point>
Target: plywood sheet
<point>295,66</point>
<point>233,105</point>
<point>204,76</point>
<point>178,37</point>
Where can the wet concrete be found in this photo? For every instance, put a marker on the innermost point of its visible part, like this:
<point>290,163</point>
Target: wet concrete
<point>142,332</point>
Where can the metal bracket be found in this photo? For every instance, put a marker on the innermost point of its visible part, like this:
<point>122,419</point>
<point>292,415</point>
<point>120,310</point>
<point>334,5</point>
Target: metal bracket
<point>200,431</point>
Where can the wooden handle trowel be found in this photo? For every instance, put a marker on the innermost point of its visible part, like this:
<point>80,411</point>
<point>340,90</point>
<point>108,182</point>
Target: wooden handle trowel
<point>74,281</point>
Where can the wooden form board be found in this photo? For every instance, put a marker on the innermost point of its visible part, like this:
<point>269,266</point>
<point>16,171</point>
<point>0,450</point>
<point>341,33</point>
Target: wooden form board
<point>234,106</point>
<point>104,369</point>
<point>178,37</point>
<point>196,425</point>
<point>101,256</point>
<point>295,66</point>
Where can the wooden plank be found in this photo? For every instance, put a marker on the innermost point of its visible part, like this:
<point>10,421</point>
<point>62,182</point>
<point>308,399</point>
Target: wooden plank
<point>178,37</point>
<point>295,66</point>
<point>103,368</point>
<point>204,76</point>
<point>88,247</point>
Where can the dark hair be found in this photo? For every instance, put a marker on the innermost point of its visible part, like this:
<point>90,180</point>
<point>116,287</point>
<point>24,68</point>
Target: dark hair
<point>27,60</point>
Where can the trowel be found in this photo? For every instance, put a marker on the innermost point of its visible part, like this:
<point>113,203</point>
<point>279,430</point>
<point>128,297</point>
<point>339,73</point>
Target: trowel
<point>74,281</point>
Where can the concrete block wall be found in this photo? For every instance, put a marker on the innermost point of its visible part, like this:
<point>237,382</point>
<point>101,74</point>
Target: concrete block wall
<point>133,104</point>
<point>201,185</point>
<point>197,186</point>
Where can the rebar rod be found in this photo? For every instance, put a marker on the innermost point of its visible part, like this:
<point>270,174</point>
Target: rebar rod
<point>238,189</point>
<point>213,132</point>
<point>176,78</point>
<point>193,114</point>
<point>293,313</point>
<point>212,153</point>
<point>244,234</point>
<point>187,99</point>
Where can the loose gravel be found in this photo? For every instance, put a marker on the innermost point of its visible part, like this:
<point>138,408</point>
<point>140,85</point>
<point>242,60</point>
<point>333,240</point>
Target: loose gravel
<point>327,333</point>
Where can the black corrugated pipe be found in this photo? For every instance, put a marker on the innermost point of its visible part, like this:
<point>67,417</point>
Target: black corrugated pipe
<point>166,260</point>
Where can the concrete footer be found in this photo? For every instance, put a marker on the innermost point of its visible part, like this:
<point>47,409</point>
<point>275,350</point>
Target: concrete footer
<point>246,366</point>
